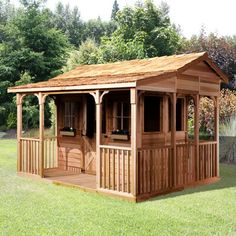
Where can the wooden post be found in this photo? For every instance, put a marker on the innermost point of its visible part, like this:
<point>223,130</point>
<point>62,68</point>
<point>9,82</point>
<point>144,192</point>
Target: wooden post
<point>196,135</point>
<point>216,117</point>
<point>98,100</point>
<point>139,119</point>
<point>173,139</point>
<point>19,98</point>
<point>133,101</point>
<point>165,121</point>
<point>186,104</point>
<point>41,99</point>
<point>98,138</point>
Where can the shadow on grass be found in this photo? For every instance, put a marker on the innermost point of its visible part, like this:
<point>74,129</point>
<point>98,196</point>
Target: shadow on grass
<point>227,180</point>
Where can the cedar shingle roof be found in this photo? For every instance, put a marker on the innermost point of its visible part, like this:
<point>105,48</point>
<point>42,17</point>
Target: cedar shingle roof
<point>122,72</point>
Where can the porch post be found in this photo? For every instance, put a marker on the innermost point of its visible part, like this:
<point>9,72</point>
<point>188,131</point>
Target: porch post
<point>133,101</point>
<point>216,117</point>
<point>196,135</point>
<point>173,139</point>
<point>98,138</point>
<point>19,98</point>
<point>41,99</point>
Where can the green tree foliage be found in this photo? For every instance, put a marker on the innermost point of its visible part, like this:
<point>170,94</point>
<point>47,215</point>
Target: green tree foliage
<point>96,29</point>
<point>222,50</point>
<point>29,44</point>
<point>88,53</point>
<point>117,49</point>
<point>115,9</point>
<point>146,27</point>
<point>68,21</point>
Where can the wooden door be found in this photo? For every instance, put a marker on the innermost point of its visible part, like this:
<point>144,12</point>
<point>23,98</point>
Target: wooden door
<point>89,138</point>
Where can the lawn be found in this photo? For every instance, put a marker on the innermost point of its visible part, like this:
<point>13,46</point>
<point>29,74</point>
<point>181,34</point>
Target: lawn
<point>33,207</point>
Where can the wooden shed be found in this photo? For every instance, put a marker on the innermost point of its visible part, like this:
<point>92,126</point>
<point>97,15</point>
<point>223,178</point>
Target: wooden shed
<point>122,128</point>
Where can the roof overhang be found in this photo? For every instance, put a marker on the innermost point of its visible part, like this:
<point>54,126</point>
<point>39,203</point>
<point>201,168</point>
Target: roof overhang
<point>72,88</point>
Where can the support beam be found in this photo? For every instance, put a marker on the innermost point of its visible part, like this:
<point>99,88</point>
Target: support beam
<point>186,105</point>
<point>98,97</point>
<point>216,118</point>
<point>19,99</point>
<point>133,101</point>
<point>196,135</point>
<point>98,138</point>
<point>165,121</point>
<point>140,109</point>
<point>173,138</point>
<point>41,98</point>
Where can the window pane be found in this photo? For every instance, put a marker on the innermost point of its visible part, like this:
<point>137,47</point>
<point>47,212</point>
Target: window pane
<point>152,113</point>
<point>126,109</point>
<point>169,114</point>
<point>126,124</point>
<point>118,124</point>
<point>119,109</point>
<point>179,114</point>
<point>69,116</point>
<point>104,118</point>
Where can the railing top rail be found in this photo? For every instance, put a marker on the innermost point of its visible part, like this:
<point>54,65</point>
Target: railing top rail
<point>207,142</point>
<point>53,137</point>
<point>116,147</point>
<point>154,148</point>
<point>30,139</point>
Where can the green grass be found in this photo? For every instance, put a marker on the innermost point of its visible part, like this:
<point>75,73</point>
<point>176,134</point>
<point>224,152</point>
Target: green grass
<point>33,207</point>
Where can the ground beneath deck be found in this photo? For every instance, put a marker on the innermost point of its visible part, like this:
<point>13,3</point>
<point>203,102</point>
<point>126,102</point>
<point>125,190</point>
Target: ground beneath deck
<point>86,181</point>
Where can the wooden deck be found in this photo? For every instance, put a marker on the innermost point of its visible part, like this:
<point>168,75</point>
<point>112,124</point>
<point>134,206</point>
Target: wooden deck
<point>83,181</point>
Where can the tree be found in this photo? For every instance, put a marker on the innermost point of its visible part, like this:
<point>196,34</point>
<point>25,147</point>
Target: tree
<point>29,44</point>
<point>68,21</point>
<point>221,50</point>
<point>117,49</point>
<point>115,9</point>
<point>96,29</point>
<point>88,53</point>
<point>146,26</point>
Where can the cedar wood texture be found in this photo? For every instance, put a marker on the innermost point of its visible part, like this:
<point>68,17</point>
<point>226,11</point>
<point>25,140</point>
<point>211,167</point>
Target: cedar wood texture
<point>149,163</point>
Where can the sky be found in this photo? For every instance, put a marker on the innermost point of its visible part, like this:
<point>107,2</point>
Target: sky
<point>191,15</point>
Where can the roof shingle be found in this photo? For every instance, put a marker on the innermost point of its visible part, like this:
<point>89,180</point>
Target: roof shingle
<point>119,72</point>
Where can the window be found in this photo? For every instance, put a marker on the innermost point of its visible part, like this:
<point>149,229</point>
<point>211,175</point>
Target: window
<point>179,114</point>
<point>69,116</point>
<point>121,115</point>
<point>152,114</point>
<point>104,121</point>
<point>90,117</point>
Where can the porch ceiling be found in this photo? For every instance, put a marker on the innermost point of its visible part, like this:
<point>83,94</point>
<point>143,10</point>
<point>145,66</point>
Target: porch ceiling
<point>119,75</point>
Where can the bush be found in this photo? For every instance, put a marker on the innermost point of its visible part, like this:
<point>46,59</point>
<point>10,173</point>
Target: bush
<point>227,109</point>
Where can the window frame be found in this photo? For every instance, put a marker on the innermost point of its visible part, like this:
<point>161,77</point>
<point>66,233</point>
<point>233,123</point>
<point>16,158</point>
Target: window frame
<point>115,116</point>
<point>161,114</point>
<point>183,114</point>
<point>70,107</point>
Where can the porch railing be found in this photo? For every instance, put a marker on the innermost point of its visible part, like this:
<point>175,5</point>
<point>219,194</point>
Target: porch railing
<point>185,164</point>
<point>157,171</point>
<point>208,162</point>
<point>50,153</point>
<point>154,169</point>
<point>29,155</point>
<point>116,168</point>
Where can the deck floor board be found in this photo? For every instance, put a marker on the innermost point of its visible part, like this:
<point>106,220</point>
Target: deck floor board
<point>68,177</point>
